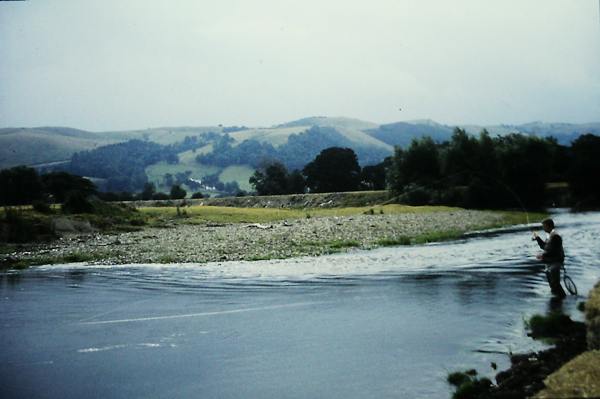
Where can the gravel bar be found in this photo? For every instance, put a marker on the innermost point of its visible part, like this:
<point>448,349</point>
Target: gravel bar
<point>186,243</point>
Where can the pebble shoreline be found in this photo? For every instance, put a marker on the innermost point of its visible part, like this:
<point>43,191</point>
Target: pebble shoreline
<point>186,243</point>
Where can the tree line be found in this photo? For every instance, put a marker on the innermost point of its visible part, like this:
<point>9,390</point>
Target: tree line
<point>511,171</point>
<point>334,169</point>
<point>22,185</point>
<point>123,165</point>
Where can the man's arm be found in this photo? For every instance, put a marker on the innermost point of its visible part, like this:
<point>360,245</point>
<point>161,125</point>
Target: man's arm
<point>540,242</point>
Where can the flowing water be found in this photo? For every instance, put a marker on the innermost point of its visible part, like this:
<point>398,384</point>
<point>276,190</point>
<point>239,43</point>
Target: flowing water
<point>387,323</point>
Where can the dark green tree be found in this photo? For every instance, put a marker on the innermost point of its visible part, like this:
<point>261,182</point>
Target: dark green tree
<point>373,177</point>
<point>19,185</point>
<point>59,184</point>
<point>584,173</point>
<point>177,192</point>
<point>296,183</point>
<point>335,169</point>
<point>272,179</point>
<point>418,166</point>
<point>148,191</point>
<point>525,169</point>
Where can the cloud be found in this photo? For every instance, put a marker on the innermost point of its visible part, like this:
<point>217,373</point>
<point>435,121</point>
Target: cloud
<point>115,65</point>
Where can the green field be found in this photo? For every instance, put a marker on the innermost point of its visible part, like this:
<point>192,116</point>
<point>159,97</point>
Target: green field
<point>274,136</point>
<point>157,171</point>
<point>239,174</point>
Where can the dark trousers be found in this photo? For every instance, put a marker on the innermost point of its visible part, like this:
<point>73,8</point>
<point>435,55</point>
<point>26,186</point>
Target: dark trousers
<point>553,276</point>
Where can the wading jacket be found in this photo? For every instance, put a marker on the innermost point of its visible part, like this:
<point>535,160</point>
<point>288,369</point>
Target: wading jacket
<point>553,248</point>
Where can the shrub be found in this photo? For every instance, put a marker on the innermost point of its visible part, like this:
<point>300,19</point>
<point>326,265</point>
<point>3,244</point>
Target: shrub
<point>41,207</point>
<point>415,195</point>
<point>552,325</point>
<point>161,197</point>
<point>15,227</point>
<point>468,385</point>
<point>77,202</point>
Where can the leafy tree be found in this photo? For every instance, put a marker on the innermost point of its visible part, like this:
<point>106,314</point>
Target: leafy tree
<point>177,192</point>
<point>160,197</point>
<point>59,184</point>
<point>334,169</point>
<point>525,165</point>
<point>270,180</point>
<point>77,202</point>
<point>122,164</point>
<point>585,170</point>
<point>374,177</point>
<point>148,191</point>
<point>19,185</point>
<point>296,183</point>
<point>231,187</point>
<point>418,165</point>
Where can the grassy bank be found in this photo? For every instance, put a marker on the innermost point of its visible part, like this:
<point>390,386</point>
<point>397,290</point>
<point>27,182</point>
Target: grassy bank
<point>200,234</point>
<point>197,214</point>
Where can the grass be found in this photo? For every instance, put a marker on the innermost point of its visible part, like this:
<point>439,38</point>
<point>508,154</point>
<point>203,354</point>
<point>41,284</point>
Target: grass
<point>274,136</point>
<point>341,244</point>
<point>520,217</point>
<point>198,214</point>
<point>392,242</point>
<point>238,173</point>
<point>157,171</point>
<point>468,385</point>
<point>549,326</point>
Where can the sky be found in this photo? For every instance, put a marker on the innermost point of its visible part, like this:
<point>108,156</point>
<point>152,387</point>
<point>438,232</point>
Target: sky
<point>128,64</point>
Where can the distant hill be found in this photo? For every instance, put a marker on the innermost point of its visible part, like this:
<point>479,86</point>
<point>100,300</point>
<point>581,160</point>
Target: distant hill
<point>294,143</point>
<point>402,133</point>
<point>564,133</point>
<point>30,146</point>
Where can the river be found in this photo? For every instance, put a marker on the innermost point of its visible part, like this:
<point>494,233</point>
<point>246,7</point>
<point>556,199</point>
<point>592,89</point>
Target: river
<point>386,323</point>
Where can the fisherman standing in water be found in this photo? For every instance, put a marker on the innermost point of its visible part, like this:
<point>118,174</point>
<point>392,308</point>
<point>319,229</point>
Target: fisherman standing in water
<point>553,256</point>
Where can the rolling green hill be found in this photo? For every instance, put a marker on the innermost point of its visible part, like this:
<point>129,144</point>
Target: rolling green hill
<point>32,146</point>
<point>294,143</point>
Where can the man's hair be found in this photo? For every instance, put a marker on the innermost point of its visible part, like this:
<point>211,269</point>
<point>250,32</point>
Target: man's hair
<point>548,222</point>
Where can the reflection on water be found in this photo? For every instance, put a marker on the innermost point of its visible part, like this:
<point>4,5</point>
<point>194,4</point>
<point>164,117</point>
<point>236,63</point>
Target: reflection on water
<point>385,323</point>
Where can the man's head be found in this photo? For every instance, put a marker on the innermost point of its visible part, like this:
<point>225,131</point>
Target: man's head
<point>548,225</point>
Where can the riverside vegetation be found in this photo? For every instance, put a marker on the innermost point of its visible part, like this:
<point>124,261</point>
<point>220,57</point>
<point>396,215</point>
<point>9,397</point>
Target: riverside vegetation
<point>181,233</point>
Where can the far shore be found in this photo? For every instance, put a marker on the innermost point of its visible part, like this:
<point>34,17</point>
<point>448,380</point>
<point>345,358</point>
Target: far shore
<point>201,234</point>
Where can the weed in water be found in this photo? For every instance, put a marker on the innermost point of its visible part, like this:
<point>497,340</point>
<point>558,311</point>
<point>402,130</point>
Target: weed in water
<point>468,385</point>
<point>552,325</point>
<point>390,242</point>
<point>78,257</point>
<point>458,378</point>
<point>343,244</point>
<point>255,258</point>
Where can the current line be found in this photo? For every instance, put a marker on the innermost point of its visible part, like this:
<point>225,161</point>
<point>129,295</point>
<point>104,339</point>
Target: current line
<point>181,316</point>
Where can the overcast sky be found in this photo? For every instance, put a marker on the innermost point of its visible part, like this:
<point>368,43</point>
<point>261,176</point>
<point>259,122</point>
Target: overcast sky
<point>108,65</point>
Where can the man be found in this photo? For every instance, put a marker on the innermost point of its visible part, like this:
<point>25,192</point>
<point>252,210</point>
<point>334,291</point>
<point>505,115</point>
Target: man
<point>553,256</point>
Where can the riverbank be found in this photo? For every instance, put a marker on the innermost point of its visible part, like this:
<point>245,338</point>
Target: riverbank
<point>199,234</point>
<point>569,369</point>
